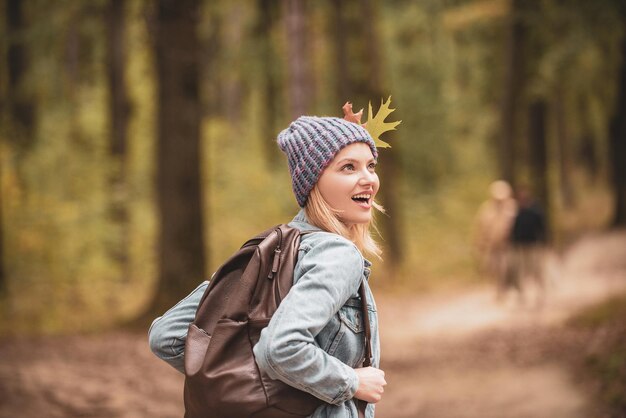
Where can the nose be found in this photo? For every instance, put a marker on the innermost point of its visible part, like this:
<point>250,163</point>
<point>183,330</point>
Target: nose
<point>367,177</point>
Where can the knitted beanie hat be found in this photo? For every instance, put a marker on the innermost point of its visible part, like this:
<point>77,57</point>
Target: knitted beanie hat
<point>311,142</point>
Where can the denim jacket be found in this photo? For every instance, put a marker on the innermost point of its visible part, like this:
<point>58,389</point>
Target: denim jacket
<point>315,339</point>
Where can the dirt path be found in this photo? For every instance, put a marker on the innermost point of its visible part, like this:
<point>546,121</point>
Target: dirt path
<point>465,355</point>
<point>456,355</point>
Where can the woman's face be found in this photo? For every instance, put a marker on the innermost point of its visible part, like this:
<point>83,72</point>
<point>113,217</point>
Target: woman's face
<point>350,182</point>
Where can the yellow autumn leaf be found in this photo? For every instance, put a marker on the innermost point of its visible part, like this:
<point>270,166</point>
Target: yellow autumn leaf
<point>376,125</point>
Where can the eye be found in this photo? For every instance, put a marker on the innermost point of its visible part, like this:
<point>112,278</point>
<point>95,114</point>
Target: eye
<point>348,167</point>
<point>372,165</point>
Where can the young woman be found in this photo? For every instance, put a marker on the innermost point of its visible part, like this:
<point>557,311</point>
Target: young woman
<point>314,341</point>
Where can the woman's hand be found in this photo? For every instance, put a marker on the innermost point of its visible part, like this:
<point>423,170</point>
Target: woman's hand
<point>371,384</point>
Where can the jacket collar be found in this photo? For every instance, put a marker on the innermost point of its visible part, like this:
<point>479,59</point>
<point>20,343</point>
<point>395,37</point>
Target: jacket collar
<point>301,222</point>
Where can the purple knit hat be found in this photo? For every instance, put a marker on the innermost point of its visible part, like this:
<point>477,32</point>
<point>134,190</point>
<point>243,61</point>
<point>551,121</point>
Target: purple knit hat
<point>311,142</point>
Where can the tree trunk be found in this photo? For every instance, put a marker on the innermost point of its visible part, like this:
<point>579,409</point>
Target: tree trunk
<point>213,100</point>
<point>20,110</point>
<point>118,124</point>
<point>300,89</point>
<point>538,157</point>
<point>118,97</point>
<point>232,81</point>
<point>266,15</point>
<point>587,153</point>
<point>180,243</point>
<point>513,81</point>
<point>563,141</point>
<point>390,171</point>
<point>351,37</point>
<point>341,33</point>
<point>617,144</point>
<point>21,104</point>
<point>3,276</point>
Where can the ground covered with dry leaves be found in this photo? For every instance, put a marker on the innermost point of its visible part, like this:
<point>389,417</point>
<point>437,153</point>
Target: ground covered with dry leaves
<point>456,354</point>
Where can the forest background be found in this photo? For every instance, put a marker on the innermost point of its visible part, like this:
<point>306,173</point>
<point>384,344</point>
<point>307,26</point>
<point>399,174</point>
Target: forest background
<point>137,148</point>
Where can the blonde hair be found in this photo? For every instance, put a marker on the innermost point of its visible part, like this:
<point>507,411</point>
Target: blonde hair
<point>323,216</point>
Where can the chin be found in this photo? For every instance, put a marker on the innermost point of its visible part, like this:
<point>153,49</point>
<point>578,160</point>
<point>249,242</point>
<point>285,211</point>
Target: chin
<point>357,220</point>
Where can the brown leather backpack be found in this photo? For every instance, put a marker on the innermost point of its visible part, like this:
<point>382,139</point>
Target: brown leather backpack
<point>222,378</point>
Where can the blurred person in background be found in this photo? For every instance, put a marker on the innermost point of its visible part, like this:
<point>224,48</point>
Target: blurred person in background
<point>492,228</point>
<point>528,241</point>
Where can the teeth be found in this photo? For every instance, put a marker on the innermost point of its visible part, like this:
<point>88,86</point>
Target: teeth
<point>362,196</point>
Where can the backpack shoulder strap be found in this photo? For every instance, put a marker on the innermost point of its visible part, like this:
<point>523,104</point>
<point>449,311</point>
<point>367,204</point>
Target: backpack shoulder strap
<point>367,361</point>
<point>270,254</point>
<point>366,324</point>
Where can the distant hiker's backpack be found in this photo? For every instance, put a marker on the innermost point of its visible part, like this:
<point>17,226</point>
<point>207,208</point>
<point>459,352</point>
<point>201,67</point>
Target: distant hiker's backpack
<point>222,378</point>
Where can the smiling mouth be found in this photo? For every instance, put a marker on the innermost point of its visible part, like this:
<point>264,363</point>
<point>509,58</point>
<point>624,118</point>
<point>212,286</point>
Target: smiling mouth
<point>364,199</point>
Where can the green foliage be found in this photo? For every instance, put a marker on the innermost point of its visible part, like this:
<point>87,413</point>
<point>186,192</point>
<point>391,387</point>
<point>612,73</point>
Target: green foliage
<point>244,198</point>
<point>417,70</point>
<point>58,240</point>
<point>446,83</point>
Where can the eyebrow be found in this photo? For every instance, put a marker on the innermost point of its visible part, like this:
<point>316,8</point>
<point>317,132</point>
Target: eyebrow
<point>352,160</point>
